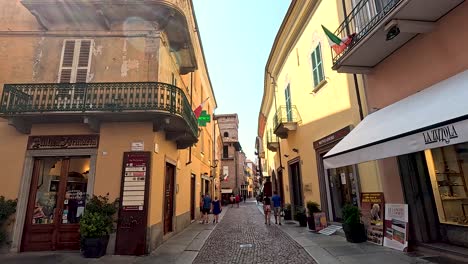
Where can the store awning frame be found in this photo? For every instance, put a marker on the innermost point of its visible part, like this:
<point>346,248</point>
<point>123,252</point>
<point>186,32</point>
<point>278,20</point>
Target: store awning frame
<point>434,117</point>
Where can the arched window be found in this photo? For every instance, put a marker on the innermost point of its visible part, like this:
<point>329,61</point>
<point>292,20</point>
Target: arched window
<point>226,134</point>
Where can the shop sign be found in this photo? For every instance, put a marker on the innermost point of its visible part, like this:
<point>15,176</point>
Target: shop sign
<point>441,134</point>
<point>320,220</point>
<point>138,146</point>
<point>372,209</point>
<point>332,137</point>
<point>63,142</point>
<point>396,226</point>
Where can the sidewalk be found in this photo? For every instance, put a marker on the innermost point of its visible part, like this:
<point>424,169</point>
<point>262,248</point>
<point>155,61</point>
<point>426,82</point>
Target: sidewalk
<point>181,248</point>
<point>335,249</point>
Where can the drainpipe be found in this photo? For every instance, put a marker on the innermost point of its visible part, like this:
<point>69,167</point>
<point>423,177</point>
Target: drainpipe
<point>356,84</point>
<point>191,106</point>
<point>276,108</point>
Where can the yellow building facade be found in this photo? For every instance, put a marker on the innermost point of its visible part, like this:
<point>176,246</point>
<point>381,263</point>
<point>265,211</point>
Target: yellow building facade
<point>90,92</point>
<point>306,109</point>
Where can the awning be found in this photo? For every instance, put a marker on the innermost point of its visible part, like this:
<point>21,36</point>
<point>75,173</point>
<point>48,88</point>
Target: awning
<point>434,117</point>
<point>226,190</point>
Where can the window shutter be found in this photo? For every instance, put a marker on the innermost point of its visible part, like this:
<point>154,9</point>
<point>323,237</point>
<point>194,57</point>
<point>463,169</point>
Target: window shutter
<point>75,61</point>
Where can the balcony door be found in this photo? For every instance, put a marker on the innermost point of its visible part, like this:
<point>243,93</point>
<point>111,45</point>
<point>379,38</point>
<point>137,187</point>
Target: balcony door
<point>56,203</point>
<point>287,96</point>
<point>365,11</point>
<point>169,198</point>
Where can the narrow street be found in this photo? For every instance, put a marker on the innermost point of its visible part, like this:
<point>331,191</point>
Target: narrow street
<point>243,237</point>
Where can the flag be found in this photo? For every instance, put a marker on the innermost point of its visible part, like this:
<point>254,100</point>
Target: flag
<point>338,45</point>
<point>199,109</point>
<point>225,178</point>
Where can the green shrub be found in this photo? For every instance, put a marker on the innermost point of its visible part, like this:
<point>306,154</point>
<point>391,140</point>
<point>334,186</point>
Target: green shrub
<point>313,207</point>
<point>351,214</point>
<point>98,218</point>
<point>7,208</point>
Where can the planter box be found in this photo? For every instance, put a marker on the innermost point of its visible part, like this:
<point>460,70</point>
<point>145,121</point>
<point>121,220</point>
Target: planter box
<point>287,214</point>
<point>355,233</point>
<point>94,247</point>
<point>311,223</point>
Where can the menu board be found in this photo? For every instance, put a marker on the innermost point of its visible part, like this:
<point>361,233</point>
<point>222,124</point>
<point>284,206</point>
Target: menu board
<point>396,226</point>
<point>134,184</point>
<point>372,209</point>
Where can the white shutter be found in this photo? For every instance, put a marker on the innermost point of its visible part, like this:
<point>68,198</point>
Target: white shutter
<point>76,61</point>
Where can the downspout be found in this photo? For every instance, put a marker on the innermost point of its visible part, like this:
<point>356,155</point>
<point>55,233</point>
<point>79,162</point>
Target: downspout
<point>276,108</point>
<point>191,105</point>
<point>356,84</point>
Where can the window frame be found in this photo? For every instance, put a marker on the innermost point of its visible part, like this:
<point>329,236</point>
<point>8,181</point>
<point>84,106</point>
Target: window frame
<point>317,67</point>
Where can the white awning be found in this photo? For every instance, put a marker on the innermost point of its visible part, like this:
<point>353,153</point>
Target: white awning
<point>434,117</point>
<point>226,190</point>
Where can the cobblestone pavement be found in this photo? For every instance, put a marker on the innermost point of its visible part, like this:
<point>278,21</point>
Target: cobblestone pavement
<point>246,226</point>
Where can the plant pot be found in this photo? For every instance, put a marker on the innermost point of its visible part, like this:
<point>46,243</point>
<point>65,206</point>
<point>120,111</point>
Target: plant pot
<point>302,220</point>
<point>311,223</point>
<point>94,247</point>
<point>287,214</point>
<point>355,233</point>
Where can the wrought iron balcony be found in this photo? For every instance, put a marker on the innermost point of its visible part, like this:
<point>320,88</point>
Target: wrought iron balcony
<point>383,26</point>
<point>286,119</point>
<point>272,141</point>
<point>165,105</point>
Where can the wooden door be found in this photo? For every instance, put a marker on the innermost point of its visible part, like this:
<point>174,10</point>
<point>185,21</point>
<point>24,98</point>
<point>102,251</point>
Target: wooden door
<point>192,197</point>
<point>169,198</point>
<point>52,214</point>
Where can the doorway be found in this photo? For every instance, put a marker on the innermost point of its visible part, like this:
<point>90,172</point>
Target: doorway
<point>56,202</point>
<point>281,186</point>
<point>192,196</point>
<point>343,190</point>
<point>296,183</point>
<point>169,198</point>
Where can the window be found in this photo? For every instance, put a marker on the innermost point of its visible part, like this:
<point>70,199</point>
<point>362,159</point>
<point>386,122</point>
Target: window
<point>287,96</point>
<point>225,152</point>
<point>76,61</point>
<point>317,66</point>
<point>174,80</point>
<point>226,134</point>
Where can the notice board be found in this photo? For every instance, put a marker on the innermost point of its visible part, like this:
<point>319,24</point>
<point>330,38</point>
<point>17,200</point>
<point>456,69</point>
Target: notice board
<point>133,212</point>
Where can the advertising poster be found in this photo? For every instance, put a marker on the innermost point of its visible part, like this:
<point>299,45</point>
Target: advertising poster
<point>320,221</point>
<point>396,226</point>
<point>372,209</point>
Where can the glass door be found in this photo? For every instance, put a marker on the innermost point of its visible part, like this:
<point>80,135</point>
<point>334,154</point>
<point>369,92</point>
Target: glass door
<point>53,207</point>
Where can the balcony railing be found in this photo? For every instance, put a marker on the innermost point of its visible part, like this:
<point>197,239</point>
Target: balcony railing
<point>96,98</point>
<point>286,119</point>
<point>361,20</point>
<point>272,141</point>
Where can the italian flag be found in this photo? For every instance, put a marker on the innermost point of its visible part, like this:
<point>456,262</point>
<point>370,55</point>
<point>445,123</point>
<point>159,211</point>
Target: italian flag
<point>225,178</point>
<point>338,45</point>
<point>197,111</point>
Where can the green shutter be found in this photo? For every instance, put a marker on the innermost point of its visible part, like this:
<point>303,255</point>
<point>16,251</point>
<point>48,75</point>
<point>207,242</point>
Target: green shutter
<point>317,66</point>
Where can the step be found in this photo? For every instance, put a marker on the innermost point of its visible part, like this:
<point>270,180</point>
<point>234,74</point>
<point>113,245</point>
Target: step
<point>443,253</point>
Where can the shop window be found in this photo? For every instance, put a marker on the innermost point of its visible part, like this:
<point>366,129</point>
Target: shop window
<point>448,169</point>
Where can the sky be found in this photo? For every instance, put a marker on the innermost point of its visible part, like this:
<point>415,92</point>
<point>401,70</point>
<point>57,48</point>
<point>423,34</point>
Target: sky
<point>237,36</point>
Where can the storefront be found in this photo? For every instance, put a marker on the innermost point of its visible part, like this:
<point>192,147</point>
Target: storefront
<point>338,186</point>
<point>427,135</point>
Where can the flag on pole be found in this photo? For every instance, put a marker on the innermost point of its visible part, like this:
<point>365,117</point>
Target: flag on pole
<point>225,178</point>
<point>199,109</point>
<point>338,45</point>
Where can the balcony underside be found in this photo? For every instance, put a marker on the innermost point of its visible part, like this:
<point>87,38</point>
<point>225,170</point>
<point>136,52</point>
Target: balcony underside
<point>174,126</point>
<point>273,146</point>
<point>371,47</point>
<point>283,128</point>
<point>119,15</point>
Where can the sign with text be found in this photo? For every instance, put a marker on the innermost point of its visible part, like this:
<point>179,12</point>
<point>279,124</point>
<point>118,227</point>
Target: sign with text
<point>320,220</point>
<point>63,142</point>
<point>396,226</point>
<point>133,214</point>
<point>372,209</point>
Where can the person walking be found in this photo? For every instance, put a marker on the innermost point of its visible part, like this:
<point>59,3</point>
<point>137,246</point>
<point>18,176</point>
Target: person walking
<point>245,197</point>
<point>267,209</point>
<point>233,199</point>
<point>206,207</point>
<point>201,209</point>
<point>237,200</point>
<point>216,209</point>
<point>276,199</point>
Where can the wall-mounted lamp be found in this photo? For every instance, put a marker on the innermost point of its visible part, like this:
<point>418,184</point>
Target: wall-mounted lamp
<point>215,163</point>
<point>295,150</point>
<point>393,32</point>
<point>285,155</point>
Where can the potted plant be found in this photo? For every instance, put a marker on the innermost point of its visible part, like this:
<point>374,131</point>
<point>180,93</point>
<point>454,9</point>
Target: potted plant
<point>354,230</point>
<point>96,224</point>
<point>312,207</point>
<point>300,215</point>
<point>287,212</point>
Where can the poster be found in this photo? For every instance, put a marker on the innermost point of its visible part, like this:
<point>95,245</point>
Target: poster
<point>396,226</point>
<point>320,221</point>
<point>372,209</point>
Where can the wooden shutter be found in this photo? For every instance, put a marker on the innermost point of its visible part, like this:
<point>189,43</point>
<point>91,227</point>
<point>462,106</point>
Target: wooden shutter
<point>76,58</point>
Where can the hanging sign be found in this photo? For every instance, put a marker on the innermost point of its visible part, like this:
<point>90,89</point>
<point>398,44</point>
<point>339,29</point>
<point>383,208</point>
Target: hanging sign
<point>204,118</point>
<point>396,226</point>
<point>372,209</point>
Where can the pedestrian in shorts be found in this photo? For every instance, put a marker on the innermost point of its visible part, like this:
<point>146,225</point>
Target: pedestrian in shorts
<point>276,199</point>
<point>267,210</point>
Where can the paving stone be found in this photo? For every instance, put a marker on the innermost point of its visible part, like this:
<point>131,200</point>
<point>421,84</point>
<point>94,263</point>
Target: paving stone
<point>245,225</point>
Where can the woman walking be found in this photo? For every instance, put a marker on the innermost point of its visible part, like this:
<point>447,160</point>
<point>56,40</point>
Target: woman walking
<point>267,209</point>
<point>216,209</point>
